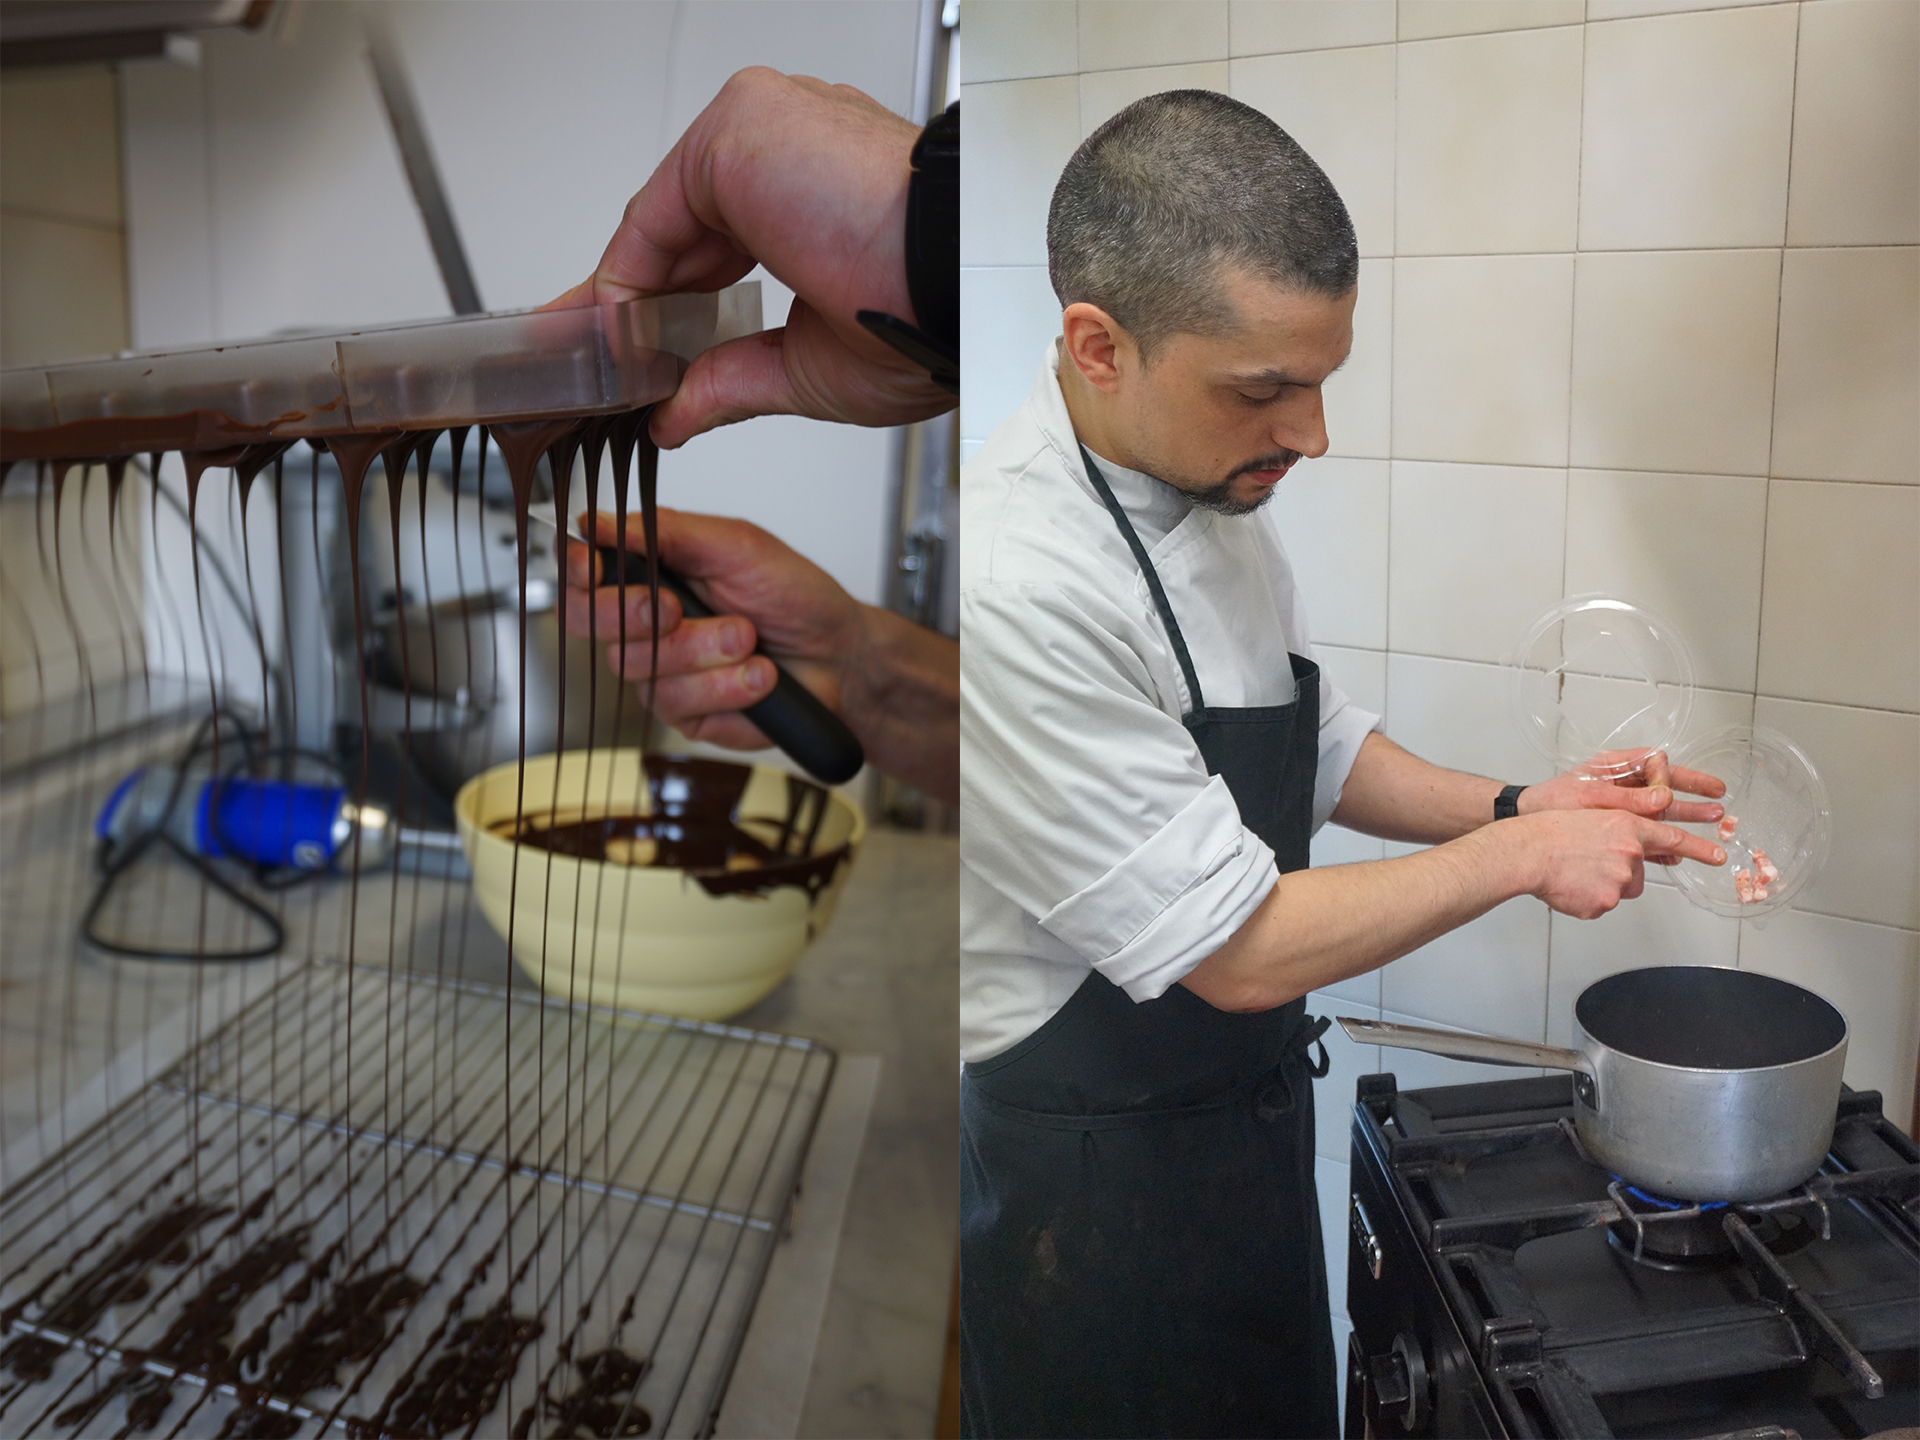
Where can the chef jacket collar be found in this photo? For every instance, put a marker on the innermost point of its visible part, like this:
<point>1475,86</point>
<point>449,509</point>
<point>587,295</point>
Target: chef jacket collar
<point>1155,507</point>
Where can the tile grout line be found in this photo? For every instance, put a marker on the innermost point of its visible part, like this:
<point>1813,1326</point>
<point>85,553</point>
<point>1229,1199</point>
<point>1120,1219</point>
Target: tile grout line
<point>1566,474</point>
<point>1712,689</point>
<point>1636,250</point>
<point>1386,574</point>
<point>1631,470</point>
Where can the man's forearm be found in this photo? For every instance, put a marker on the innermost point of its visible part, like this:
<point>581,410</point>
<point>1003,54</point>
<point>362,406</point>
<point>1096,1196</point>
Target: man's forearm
<point>1319,926</point>
<point>1396,795</point>
<point>903,700</point>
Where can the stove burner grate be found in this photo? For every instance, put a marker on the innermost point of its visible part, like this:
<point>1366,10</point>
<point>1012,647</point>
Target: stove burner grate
<point>1677,1235</point>
<point>1696,1242</point>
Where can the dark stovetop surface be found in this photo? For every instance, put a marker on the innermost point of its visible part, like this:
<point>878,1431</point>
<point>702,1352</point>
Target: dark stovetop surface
<point>1514,1220</point>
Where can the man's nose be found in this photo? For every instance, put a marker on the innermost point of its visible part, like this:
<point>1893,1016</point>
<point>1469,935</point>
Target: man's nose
<point>1303,425</point>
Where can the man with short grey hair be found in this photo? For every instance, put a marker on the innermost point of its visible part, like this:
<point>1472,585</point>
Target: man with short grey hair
<point>1146,750</point>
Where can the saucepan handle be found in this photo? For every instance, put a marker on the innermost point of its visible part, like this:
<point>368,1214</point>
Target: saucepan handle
<point>1458,1045</point>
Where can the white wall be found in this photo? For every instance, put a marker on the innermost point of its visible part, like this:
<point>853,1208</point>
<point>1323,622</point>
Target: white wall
<point>65,626</point>
<point>1640,312</point>
<point>265,192</point>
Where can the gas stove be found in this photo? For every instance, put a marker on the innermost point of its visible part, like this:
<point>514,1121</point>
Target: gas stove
<point>1502,1283</point>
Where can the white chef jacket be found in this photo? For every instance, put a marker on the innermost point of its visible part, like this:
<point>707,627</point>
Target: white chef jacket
<point>1091,834</point>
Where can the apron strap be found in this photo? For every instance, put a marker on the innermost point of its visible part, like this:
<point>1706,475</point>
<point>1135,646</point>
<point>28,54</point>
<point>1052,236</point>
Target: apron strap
<point>1275,1096</point>
<point>1159,594</point>
<point>1316,1027</point>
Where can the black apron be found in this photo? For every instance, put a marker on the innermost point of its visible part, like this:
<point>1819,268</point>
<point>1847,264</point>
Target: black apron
<point>1139,1235</point>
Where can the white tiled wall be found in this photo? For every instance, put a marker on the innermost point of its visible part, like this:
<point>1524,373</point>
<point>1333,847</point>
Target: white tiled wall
<point>1640,311</point>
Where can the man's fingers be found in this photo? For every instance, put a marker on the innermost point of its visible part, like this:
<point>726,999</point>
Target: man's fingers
<point>694,647</point>
<point>574,298</point>
<point>700,547</point>
<point>1698,782</point>
<point>605,604</point>
<point>1649,803</point>
<point>1654,771</point>
<point>1695,812</point>
<point>1672,840</point>
<point>682,698</point>
<point>742,378</point>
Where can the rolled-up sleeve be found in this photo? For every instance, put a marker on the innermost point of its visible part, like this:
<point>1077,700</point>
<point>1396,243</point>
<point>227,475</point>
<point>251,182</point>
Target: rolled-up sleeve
<point>1087,804</point>
<point>1344,727</point>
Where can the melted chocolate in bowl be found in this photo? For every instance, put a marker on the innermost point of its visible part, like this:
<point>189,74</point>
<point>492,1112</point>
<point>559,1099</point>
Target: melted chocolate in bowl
<point>696,827</point>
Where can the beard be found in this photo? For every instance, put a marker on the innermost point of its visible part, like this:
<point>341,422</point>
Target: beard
<point>1218,496</point>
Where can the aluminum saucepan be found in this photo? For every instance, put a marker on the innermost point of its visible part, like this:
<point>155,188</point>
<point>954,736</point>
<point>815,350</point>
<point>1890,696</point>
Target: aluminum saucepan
<point>1690,1081</point>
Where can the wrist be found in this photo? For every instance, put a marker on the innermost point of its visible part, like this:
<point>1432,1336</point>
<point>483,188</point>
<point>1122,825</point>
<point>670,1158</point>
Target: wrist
<point>901,695</point>
<point>1507,861</point>
<point>1506,804</point>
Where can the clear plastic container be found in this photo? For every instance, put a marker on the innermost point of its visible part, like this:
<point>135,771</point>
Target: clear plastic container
<point>474,369</point>
<point>1595,674</point>
<point>1782,808</point>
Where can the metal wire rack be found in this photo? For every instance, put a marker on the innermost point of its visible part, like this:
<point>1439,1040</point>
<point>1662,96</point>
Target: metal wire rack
<point>391,1204</point>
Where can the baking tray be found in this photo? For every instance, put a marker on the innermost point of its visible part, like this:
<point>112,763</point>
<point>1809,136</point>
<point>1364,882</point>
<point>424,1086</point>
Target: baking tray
<point>519,365</point>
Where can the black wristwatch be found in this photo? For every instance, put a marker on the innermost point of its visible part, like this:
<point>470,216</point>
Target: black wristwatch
<point>933,257</point>
<point>1506,804</point>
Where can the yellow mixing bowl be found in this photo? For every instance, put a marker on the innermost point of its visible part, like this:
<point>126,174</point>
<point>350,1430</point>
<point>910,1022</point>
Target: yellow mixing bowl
<point>649,937</point>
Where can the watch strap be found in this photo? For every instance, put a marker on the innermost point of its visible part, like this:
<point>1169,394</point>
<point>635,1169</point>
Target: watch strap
<point>1506,804</point>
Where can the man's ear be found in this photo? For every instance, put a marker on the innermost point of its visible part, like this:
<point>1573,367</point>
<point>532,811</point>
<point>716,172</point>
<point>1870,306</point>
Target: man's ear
<point>1099,346</point>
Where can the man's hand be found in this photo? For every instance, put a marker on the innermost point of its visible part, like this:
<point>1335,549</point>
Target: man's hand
<point>895,684</point>
<point>1641,782</point>
<point>708,671</point>
<point>810,180</point>
<point>1586,862</point>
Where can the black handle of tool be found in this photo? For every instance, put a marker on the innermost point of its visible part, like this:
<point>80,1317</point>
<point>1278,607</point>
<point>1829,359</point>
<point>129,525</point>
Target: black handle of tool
<point>792,717</point>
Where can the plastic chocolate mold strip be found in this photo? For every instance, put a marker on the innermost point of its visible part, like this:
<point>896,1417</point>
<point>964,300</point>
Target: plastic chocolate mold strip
<point>472,370</point>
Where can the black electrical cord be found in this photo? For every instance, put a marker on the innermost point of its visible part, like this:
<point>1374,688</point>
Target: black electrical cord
<point>113,859</point>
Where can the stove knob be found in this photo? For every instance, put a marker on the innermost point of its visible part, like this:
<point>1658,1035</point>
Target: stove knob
<point>1361,1225</point>
<point>1397,1384</point>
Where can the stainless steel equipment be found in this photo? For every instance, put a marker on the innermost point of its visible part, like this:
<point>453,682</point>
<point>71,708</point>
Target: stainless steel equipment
<point>1695,1082</point>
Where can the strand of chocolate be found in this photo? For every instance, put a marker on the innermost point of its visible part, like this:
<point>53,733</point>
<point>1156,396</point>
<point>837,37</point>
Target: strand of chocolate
<point>493,1343</point>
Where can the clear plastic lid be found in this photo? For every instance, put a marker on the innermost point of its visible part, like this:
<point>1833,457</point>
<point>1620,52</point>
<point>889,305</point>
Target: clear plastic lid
<point>1595,675</point>
<point>1778,814</point>
<point>474,369</point>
